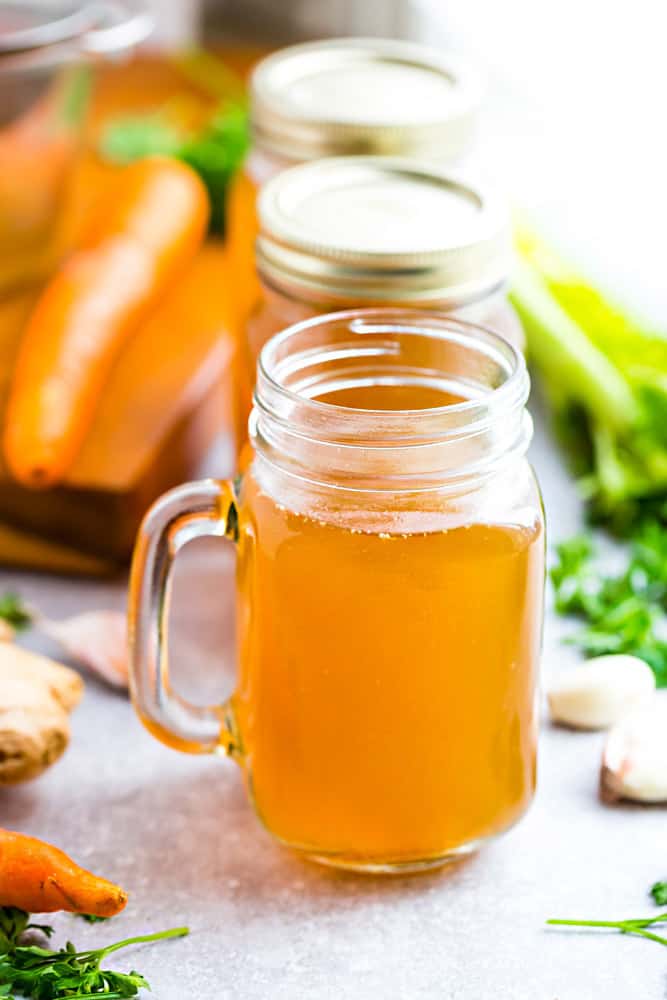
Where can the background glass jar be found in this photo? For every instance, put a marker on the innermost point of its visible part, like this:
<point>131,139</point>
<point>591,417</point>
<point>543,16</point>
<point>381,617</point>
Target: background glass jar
<point>364,231</point>
<point>44,88</point>
<point>346,97</point>
<point>390,576</point>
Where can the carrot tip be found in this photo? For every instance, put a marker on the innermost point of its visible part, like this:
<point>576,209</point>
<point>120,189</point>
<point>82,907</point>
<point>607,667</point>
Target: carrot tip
<point>34,478</point>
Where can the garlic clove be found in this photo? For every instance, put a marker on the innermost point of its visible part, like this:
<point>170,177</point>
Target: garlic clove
<point>600,692</point>
<point>95,639</point>
<point>634,762</point>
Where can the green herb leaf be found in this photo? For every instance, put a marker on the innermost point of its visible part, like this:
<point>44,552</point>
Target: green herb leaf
<point>623,611</point>
<point>14,611</point>
<point>215,152</point>
<point>659,893</point>
<point>90,918</point>
<point>42,974</point>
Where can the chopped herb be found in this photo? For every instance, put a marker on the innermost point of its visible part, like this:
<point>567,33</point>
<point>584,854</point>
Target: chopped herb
<point>14,611</point>
<point>624,611</point>
<point>42,974</point>
<point>659,893</point>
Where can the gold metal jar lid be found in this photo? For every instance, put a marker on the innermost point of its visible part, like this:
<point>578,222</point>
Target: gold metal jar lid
<point>363,96</point>
<point>376,229</point>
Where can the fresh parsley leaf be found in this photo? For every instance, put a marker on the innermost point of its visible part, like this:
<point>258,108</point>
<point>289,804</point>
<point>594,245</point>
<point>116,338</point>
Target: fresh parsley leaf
<point>659,893</point>
<point>215,152</point>
<point>14,611</point>
<point>42,974</point>
<point>623,611</point>
<point>90,918</point>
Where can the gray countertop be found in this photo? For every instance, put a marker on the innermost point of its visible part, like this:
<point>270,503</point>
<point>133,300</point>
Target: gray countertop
<point>177,832</point>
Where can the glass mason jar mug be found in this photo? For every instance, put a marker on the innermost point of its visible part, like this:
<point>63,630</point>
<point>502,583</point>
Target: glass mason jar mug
<point>390,576</point>
<point>360,232</point>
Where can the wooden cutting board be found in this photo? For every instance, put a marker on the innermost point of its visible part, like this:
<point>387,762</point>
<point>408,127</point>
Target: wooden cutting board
<point>167,399</point>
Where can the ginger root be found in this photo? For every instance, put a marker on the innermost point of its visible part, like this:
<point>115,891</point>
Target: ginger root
<point>36,695</point>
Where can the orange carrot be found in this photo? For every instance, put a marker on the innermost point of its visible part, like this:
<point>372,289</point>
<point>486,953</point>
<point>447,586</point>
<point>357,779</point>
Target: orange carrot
<point>146,230</point>
<point>39,878</point>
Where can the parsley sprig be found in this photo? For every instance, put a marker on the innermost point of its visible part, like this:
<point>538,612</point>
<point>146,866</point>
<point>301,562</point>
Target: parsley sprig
<point>624,611</point>
<point>35,972</point>
<point>634,925</point>
<point>215,152</point>
<point>14,611</point>
<point>659,893</point>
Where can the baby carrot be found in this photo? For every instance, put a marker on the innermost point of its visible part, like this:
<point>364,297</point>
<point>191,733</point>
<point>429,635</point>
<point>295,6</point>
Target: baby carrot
<point>38,878</point>
<point>150,225</point>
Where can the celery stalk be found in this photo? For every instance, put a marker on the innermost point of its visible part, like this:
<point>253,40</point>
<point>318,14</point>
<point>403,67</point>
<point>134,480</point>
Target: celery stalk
<point>605,376</point>
<point>563,353</point>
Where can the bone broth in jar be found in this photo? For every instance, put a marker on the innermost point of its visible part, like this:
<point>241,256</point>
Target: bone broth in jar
<point>366,231</point>
<point>390,573</point>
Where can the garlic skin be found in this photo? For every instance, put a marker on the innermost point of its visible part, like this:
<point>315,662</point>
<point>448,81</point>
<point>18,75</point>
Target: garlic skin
<point>634,762</point>
<point>599,693</point>
<point>95,639</point>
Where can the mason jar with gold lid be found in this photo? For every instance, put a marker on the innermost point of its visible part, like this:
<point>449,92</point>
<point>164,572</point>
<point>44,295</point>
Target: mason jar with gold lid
<point>355,96</point>
<point>366,231</point>
<point>346,97</point>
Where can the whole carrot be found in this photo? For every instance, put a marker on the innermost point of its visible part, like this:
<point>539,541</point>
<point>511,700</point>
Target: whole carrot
<point>38,878</point>
<point>148,228</point>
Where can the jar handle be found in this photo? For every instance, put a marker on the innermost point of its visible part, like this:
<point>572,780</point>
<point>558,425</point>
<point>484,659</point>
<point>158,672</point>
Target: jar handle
<point>122,24</point>
<point>189,511</point>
